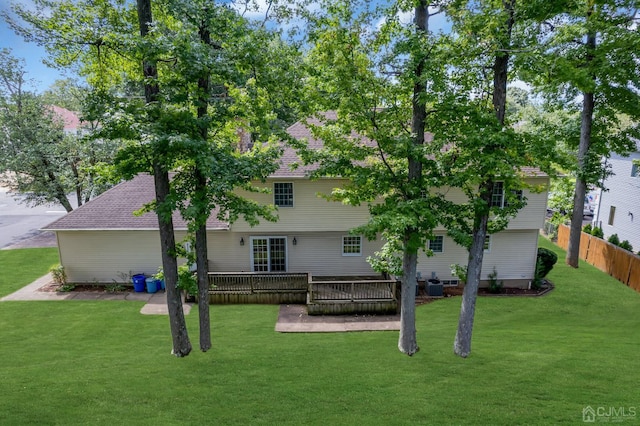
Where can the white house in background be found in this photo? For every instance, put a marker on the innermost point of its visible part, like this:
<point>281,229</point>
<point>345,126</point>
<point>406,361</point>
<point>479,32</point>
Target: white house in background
<point>618,210</point>
<point>102,240</point>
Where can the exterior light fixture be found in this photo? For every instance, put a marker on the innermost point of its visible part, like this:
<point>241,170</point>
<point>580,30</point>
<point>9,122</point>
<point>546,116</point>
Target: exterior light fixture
<point>295,242</point>
<point>242,241</point>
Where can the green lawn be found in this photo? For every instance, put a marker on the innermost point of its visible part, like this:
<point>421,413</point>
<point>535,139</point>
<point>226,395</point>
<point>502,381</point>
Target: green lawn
<point>534,361</point>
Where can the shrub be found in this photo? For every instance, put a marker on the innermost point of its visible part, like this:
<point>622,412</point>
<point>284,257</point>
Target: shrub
<point>546,259</point>
<point>614,239</point>
<point>587,228</point>
<point>460,272</point>
<point>58,274</point>
<point>597,232</point>
<point>187,280</point>
<point>495,286</point>
<point>626,245</point>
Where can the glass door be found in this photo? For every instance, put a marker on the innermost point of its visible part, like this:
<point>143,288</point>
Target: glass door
<point>269,254</point>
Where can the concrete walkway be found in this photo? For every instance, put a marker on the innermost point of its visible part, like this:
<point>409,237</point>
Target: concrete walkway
<point>294,319</point>
<point>291,318</point>
<point>156,303</point>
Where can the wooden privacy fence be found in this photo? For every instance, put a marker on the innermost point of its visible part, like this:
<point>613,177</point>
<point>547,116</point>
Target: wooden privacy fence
<point>342,297</point>
<point>619,263</point>
<point>258,287</point>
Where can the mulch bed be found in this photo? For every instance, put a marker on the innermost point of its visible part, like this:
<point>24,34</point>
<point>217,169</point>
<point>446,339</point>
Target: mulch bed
<point>83,288</point>
<point>547,286</point>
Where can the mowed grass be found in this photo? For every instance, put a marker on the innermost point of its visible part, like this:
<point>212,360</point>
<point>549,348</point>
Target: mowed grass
<point>22,266</point>
<point>534,361</point>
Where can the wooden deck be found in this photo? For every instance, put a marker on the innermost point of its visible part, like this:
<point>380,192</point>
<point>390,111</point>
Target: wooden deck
<point>348,297</point>
<point>257,287</point>
<point>329,296</point>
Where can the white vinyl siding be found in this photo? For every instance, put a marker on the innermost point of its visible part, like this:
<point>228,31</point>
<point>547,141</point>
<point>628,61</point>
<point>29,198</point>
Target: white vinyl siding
<point>529,217</point>
<point>513,253</point>
<point>108,256</point>
<point>310,212</point>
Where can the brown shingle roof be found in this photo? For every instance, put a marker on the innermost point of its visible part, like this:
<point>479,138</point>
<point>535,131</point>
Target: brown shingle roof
<point>113,210</point>
<point>289,156</point>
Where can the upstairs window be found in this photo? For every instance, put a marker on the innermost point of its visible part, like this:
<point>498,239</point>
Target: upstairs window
<point>437,244</point>
<point>352,245</point>
<point>634,170</point>
<point>497,195</point>
<point>283,194</point>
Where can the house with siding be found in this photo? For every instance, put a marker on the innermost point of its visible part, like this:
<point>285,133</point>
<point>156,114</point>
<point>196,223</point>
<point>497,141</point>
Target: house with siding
<point>618,208</point>
<point>103,241</point>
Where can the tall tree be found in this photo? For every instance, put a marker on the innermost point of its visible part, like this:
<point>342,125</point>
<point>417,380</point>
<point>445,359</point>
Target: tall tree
<point>39,158</point>
<point>181,343</point>
<point>376,82</point>
<point>588,60</point>
<point>485,155</point>
<point>217,75</point>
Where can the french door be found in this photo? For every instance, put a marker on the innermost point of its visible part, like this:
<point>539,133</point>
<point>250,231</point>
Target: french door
<point>269,254</point>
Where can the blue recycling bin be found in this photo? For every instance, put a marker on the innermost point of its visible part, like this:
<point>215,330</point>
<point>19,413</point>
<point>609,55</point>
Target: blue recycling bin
<point>138,283</point>
<point>151,285</point>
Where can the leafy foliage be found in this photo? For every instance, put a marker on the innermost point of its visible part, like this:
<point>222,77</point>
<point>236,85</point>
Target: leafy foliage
<point>626,245</point>
<point>547,259</point>
<point>597,232</point>
<point>614,239</point>
<point>495,286</point>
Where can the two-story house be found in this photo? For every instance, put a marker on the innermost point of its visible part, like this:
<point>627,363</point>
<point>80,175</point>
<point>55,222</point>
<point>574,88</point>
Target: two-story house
<point>103,241</point>
<point>618,208</point>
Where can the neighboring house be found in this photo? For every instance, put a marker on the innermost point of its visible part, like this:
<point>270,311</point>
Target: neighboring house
<point>70,121</point>
<point>618,210</point>
<point>103,241</point>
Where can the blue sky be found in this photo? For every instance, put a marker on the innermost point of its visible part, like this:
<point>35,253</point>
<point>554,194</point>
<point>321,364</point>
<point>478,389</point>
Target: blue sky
<point>41,75</point>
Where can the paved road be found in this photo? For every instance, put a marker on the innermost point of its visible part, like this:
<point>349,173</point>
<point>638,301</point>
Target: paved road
<point>20,224</point>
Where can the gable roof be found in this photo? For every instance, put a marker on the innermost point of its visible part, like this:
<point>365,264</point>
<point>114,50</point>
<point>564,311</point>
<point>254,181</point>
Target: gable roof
<point>289,157</point>
<point>113,210</point>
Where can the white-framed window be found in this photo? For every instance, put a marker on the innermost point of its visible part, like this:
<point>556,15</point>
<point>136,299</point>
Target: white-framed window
<point>634,170</point>
<point>269,254</point>
<point>437,244</point>
<point>497,195</point>
<point>352,245</point>
<point>487,244</point>
<point>283,194</point>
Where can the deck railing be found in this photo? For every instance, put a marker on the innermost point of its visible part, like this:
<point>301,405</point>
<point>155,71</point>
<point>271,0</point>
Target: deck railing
<point>257,282</point>
<point>353,291</point>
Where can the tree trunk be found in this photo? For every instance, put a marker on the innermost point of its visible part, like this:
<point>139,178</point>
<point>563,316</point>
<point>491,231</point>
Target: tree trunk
<point>407,342</point>
<point>202,262</point>
<point>181,343</point>
<point>462,343</point>
<point>586,121</point>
